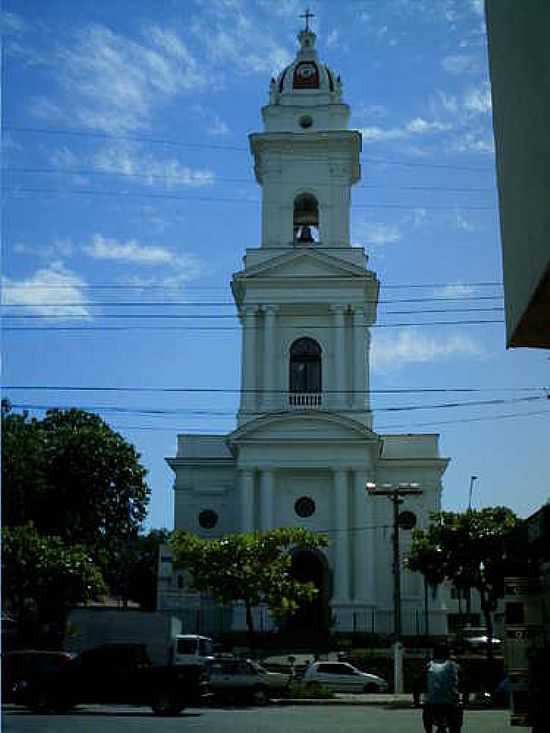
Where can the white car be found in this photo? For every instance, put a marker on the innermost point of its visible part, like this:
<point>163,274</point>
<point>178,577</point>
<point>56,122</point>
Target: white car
<point>480,642</point>
<point>342,677</point>
<point>245,678</point>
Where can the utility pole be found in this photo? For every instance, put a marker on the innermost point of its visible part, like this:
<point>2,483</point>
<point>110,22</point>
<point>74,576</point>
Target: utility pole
<point>472,479</point>
<point>395,494</point>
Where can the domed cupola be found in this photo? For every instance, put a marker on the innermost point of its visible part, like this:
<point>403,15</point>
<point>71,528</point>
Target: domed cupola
<point>307,95</point>
<point>306,77</point>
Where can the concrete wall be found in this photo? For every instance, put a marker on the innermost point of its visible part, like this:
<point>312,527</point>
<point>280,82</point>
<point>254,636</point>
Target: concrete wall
<point>519,60</point>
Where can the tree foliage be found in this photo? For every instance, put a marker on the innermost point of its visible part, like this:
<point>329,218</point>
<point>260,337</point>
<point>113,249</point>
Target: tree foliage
<point>252,568</point>
<point>43,576</point>
<point>74,478</point>
<point>469,550</point>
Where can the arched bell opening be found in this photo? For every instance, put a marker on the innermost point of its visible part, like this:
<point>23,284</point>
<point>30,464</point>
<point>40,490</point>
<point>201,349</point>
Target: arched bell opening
<point>306,219</point>
<point>305,367</point>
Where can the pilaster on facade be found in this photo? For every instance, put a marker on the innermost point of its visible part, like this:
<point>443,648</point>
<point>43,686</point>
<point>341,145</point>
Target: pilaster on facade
<point>246,491</point>
<point>339,353</point>
<point>267,488</point>
<point>270,322</point>
<point>341,540</point>
<point>249,358</point>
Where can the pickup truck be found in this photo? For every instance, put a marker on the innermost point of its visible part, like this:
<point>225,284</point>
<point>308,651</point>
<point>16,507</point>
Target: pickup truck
<point>120,674</point>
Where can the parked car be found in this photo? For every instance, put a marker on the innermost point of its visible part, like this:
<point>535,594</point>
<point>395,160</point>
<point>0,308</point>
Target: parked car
<point>479,641</point>
<point>246,679</point>
<point>23,669</point>
<point>119,674</point>
<point>342,677</point>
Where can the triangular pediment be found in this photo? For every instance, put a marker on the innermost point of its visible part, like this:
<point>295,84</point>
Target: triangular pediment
<point>306,262</point>
<point>302,426</point>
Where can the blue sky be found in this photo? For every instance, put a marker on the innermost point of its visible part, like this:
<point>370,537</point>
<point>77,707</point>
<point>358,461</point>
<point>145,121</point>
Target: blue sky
<point>128,190</point>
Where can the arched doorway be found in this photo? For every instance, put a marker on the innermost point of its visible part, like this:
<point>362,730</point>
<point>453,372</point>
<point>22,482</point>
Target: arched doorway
<point>310,566</point>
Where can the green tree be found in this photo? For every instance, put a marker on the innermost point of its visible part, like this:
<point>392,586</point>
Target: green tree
<point>75,478</point>
<point>43,577</point>
<point>252,568</point>
<point>468,549</point>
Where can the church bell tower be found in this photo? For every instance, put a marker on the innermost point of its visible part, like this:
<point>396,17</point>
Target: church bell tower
<point>306,298</point>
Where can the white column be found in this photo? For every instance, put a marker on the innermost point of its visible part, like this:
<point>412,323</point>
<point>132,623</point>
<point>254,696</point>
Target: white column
<point>267,482</point>
<point>269,356</point>
<point>366,368</point>
<point>339,355</point>
<point>248,367</point>
<point>363,539</point>
<point>246,495</point>
<point>359,358</point>
<point>341,540</point>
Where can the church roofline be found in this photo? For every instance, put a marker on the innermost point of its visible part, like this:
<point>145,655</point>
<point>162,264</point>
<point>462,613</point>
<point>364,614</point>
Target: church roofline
<point>345,267</point>
<point>237,435</point>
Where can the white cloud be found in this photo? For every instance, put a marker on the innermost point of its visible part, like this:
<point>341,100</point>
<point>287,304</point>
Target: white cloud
<point>60,247</point>
<point>416,126</point>
<point>478,100</point>
<point>115,83</point>
<point>474,141</point>
<point>12,23</point>
<point>333,38</point>
<point>127,159</point>
<point>461,64</point>
<point>378,233</point>
<point>410,346</point>
<point>233,43</point>
<point>51,285</point>
<point>462,223</point>
<point>104,248</point>
<point>478,7</point>
<point>455,290</point>
<point>217,127</point>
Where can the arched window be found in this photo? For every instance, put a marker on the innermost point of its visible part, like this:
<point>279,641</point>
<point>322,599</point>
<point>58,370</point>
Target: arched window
<point>306,219</point>
<point>305,366</point>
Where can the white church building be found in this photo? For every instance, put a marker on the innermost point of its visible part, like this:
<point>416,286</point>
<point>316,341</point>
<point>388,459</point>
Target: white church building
<point>305,448</point>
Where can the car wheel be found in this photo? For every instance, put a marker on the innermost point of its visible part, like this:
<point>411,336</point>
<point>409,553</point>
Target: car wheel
<point>41,702</point>
<point>260,696</point>
<point>165,703</point>
<point>370,688</point>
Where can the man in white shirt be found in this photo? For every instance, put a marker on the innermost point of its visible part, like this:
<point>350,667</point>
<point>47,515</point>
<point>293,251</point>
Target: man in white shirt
<point>442,699</point>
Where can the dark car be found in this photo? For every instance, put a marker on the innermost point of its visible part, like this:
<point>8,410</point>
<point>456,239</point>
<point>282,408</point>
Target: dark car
<point>121,674</point>
<point>25,669</point>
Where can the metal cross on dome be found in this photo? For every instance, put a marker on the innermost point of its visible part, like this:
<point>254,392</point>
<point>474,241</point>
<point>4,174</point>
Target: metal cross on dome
<point>307,15</point>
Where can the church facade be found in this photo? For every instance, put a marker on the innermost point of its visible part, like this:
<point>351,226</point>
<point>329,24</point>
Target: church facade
<point>304,452</point>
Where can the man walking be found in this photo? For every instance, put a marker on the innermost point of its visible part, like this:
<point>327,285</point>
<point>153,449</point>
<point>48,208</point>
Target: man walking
<point>442,701</point>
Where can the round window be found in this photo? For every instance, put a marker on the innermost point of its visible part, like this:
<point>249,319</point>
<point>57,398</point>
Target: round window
<point>304,507</point>
<point>208,518</point>
<point>306,121</point>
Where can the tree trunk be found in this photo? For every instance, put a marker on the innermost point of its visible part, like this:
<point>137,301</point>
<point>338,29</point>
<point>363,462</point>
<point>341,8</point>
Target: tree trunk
<point>486,609</point>
<point>426,608</point>
<point>250,625</point>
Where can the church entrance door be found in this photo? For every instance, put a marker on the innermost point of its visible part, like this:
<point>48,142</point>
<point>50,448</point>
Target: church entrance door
<point>310,566</point>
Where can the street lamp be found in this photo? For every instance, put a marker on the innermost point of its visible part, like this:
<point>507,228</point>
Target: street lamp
<point>395,494</point>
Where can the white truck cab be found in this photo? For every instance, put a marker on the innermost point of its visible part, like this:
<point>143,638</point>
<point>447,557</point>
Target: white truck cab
<point>193,649</point>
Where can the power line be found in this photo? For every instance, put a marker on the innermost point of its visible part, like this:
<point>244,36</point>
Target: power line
<point>229,148</point>
<point>152,286</point>
<point>239,391</point>
<point>225,200</point>
<point>185,316</point>
<point>220,179</point>
<point>238,328</point>
<point>154,412</point>
<point>231,304</point>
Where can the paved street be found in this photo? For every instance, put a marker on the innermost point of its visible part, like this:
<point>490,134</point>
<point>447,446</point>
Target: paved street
<point>272,719</point>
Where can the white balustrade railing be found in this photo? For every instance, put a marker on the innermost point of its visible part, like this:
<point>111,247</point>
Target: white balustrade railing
<point>305,399</point>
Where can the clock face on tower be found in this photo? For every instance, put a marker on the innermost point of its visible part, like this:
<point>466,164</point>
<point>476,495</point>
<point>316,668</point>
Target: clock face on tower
<point>306,76</point>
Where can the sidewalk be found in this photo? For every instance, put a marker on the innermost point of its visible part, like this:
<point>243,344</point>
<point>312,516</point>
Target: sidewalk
<point>340,698</point>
